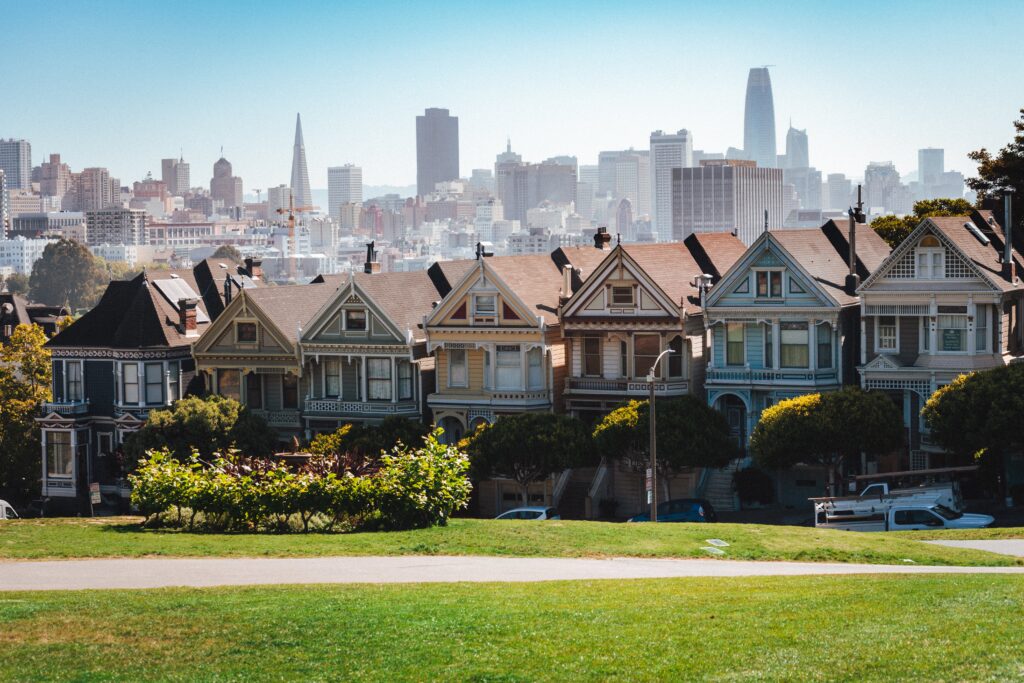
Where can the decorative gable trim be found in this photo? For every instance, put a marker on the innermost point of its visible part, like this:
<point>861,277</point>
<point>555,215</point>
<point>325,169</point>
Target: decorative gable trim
<point>592,295</point>
<point>346,295</point>
<point>884,361</point>
<point>480,280</point>
<point>241,307</point>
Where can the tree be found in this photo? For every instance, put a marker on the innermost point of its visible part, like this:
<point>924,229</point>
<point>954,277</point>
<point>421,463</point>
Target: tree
<point>690,434</point>
<point>229,252</point>
<point>894,229</point>
<point>368,440</point>
<point>67,273</point>
<point>207,425</point>
<point>17,283</point>
<point>1001,170</point>
<point>978,416</point>
<point>827,429</point>
<point>24,383</point>
<point>528,447</point>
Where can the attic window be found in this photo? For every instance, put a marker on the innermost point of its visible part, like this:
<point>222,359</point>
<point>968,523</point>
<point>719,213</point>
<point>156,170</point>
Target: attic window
<point>622,296</point>
<point>355,320</point>
<point>245,333</point>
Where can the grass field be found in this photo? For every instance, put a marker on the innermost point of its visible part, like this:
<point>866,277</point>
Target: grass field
<point>998,533</point>
<point>865,628</point>
<point>123,537</point>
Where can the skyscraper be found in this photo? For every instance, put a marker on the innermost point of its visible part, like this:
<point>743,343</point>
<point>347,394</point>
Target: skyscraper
<point>4,226</point>
<point>300,174</point>
<point>95,190</point>
<point>16,163</point>
<point>759,119</point>
<point>224,186</point>
<point>931,165</point>
<point>175,174</point>
<point>725,195</point>
<point>839,190</point>
<point>626,174</point>
<point>668,151</point>
<point>437,149</point>
<point>344,186</point>
<point>796,149</point>
<point>55,178</point>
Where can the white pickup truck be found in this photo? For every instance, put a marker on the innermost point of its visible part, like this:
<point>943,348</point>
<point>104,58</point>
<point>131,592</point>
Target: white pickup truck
<point>905,518</point>
<point>6,511</point>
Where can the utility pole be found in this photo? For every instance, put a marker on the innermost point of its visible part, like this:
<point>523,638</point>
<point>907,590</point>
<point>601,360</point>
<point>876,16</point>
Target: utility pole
<point>652,472</point>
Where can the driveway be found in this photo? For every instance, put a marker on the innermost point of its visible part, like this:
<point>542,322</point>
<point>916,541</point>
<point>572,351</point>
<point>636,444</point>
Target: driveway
<point>1013,547</point>
<point>157,573</point>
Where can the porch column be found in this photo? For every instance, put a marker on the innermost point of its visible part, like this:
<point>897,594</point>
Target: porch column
<point>523,367</point>
<point>972,324</point>
<point>863,333</point>
<point>812,341</point>
<point>776,344</point>
<point>394,380</point>
<point>362,378</point>
<point>933,327</point>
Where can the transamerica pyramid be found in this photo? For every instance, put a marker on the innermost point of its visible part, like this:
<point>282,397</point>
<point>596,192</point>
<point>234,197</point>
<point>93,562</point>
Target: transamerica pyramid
<point>300,173</point>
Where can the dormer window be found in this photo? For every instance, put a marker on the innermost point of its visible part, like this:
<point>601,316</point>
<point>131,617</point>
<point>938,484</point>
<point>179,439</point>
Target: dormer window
<point>622,297</point>
<point>930,259</point>
<point>355,320</point>
<point>485,308</point>
<point>769,284</point>
<point>245,333</point>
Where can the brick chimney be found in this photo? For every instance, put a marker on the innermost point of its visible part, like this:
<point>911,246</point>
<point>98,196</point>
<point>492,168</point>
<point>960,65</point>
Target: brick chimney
<point>254,268</point>
<point>371,265</point>
<point>187,317</point>
<point>601,238</point>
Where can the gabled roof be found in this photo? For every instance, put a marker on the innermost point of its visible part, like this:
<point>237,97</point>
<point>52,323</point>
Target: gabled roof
<point>210,274</point>
<point>291,307</point>
<point>446,274</point>
<point>986,259</point>
<point>403,298</point>
<point>535,279</point>
<point>16,310</point>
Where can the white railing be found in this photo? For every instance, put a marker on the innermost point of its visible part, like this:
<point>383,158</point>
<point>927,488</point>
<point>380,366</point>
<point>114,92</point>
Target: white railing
<point>280,418</point>
<point>560,484</point>
<point>625,386</point>
<point>66,407</point>
<point>333,406</point>
<point>753,375</point>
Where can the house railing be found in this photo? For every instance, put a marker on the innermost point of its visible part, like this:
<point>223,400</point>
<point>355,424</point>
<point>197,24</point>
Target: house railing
<point>334,406</point>
<point>757,375</point>
<point>66,407</point>
<point>600,385</point>
<point>280,418</point>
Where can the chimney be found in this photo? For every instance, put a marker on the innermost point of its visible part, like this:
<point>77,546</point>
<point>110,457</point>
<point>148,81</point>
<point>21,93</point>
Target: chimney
<point>371,265</point>
<point>566,284</point>
<point>227,290</point>
<point>254,268</point>
<point>856,216</point>
<point>187,317</point>
<point>1009,269</point>
<point>601,238</point>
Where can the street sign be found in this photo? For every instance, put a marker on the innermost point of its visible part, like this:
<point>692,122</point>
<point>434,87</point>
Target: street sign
<point>94,493</point>
<point>650,484</point>
<point>648,496</point>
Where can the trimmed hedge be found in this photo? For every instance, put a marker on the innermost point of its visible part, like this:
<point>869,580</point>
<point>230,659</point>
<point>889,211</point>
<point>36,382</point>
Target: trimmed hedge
<point>406,489</point>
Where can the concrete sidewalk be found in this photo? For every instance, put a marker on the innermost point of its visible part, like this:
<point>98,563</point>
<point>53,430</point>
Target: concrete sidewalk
<point>157,573</point>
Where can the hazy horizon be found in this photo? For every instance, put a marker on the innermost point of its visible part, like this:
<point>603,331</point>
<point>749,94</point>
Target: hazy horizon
<point>558,78</point>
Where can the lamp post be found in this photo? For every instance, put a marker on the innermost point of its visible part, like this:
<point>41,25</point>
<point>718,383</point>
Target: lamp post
<point>653,478</point>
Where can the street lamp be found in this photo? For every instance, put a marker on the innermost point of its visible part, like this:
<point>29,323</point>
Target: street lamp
<point>652,477</point>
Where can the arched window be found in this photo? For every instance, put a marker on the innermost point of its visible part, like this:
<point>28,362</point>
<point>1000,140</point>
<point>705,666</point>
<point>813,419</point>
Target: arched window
<point>931,258</point>
<point>675,359</point>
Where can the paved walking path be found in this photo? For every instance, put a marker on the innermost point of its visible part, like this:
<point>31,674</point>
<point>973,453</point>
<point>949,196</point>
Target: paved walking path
<point>156,573</point>
<point>1004,546</point>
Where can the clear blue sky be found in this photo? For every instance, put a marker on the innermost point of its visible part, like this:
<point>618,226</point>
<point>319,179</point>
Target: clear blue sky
<point>122,84</point>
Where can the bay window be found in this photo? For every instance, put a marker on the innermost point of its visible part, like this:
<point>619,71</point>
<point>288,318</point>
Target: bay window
<point>173,381</point>
<point>735,353</point>
<point>508,372</point>
<point>456,367</point>
<point>535,368</point>
<point>824,334</point>
<point>952,333</point>
<point>60,461</point>
<point>592,357</point>
<point>154,383</point>
<point>404,379</point>
<point>74,379</point>
<point>130,384</point>
<point>886,337</point>
<point>793,345</point>
<point>378,378</point>
<point>646,348</point>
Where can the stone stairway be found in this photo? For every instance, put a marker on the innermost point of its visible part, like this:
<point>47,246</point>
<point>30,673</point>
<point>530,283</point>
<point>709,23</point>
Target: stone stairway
<point>718,490</point>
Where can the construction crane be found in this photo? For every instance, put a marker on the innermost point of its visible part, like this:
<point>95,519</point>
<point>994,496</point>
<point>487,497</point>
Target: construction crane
<point>291,211</point>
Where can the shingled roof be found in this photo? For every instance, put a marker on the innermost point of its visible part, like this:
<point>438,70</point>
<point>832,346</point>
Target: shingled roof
<point>291,307</point>
<point>405,298</point>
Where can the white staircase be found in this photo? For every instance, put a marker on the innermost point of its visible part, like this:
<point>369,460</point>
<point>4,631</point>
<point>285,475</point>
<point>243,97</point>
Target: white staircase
<point>718,489</point>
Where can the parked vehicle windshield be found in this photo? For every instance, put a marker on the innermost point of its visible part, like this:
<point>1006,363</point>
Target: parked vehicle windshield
<point>946,512</point>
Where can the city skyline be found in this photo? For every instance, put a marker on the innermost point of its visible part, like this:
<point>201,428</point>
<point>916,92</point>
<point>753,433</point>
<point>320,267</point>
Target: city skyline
<point>851,116</point>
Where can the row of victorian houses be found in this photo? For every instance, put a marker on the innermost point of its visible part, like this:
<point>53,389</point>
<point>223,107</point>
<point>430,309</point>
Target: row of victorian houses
<point>574,331</point>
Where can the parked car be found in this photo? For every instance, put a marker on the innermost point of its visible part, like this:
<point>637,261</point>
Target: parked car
<point>681,510</point>
<point>6,511</point>
<point>530,513</point>
<point>906,518</point>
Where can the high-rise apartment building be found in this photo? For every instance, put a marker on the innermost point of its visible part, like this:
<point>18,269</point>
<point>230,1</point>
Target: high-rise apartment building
<point>668,151</point>
<point>883,191</point>
<point>175,175</point>
<point>931,164</point>
<point>54,177</point>
<point>115,226</point>
<point>759,119</point>
<point>726,195</point>
<point>437,149</point>
<point>224,186</point>
<point>5,218</point>
<point>16,163</point>
<point>527,185</point>
<point>344,186</point>
<point>277,199</point>
<point>95,189</point>
<point>626,175</point>
<point>796,149</point>
<point>487,212</point>
<point>839,191</point>
<point>300,173</point>
<point>504,163</point>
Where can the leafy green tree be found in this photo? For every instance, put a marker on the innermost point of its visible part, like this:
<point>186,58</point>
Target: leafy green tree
<point>206,425</point>
<point>67,273</point>
<point>17,283</point>
<point>690,434</point>
<point>894,229</point>
<point>828,429</point>
<point>979,416</point>
<point>229,252</point>
<point>24,383</point>
<point>1003,169</point>
<point>528,447</point>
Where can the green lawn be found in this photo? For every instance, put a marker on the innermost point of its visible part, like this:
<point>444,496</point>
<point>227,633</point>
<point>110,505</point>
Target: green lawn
<point>123,537</point>
<point>968,534</point>
<point>858,628</point>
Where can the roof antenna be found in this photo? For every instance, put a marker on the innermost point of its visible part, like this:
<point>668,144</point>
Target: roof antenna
<point>618,238</point>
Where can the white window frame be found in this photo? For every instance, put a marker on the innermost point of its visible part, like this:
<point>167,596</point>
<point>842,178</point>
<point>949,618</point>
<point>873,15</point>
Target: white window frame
<point>584,355</point>
<point>80,369</point>
<point>768,282</point>
<point>613,303</point>
<point>366,320</point>
<point>725,341</point>
<point>328,377</point>
<point>535,368</point>
<point>508,367</point>
<point>405,375</point>
<point>489,313</point>
<point>256,329</point>
<point>982,333</point>
<point>938,334</point>
<point>931,269</point>
<point>379,381</point>
<point>806,328</point>
<point>134,368</point>
<point>462,366</point>
<point>878,335</point>
<point>67,458</point>
<point>161,383</point>
<point>819,345</point>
